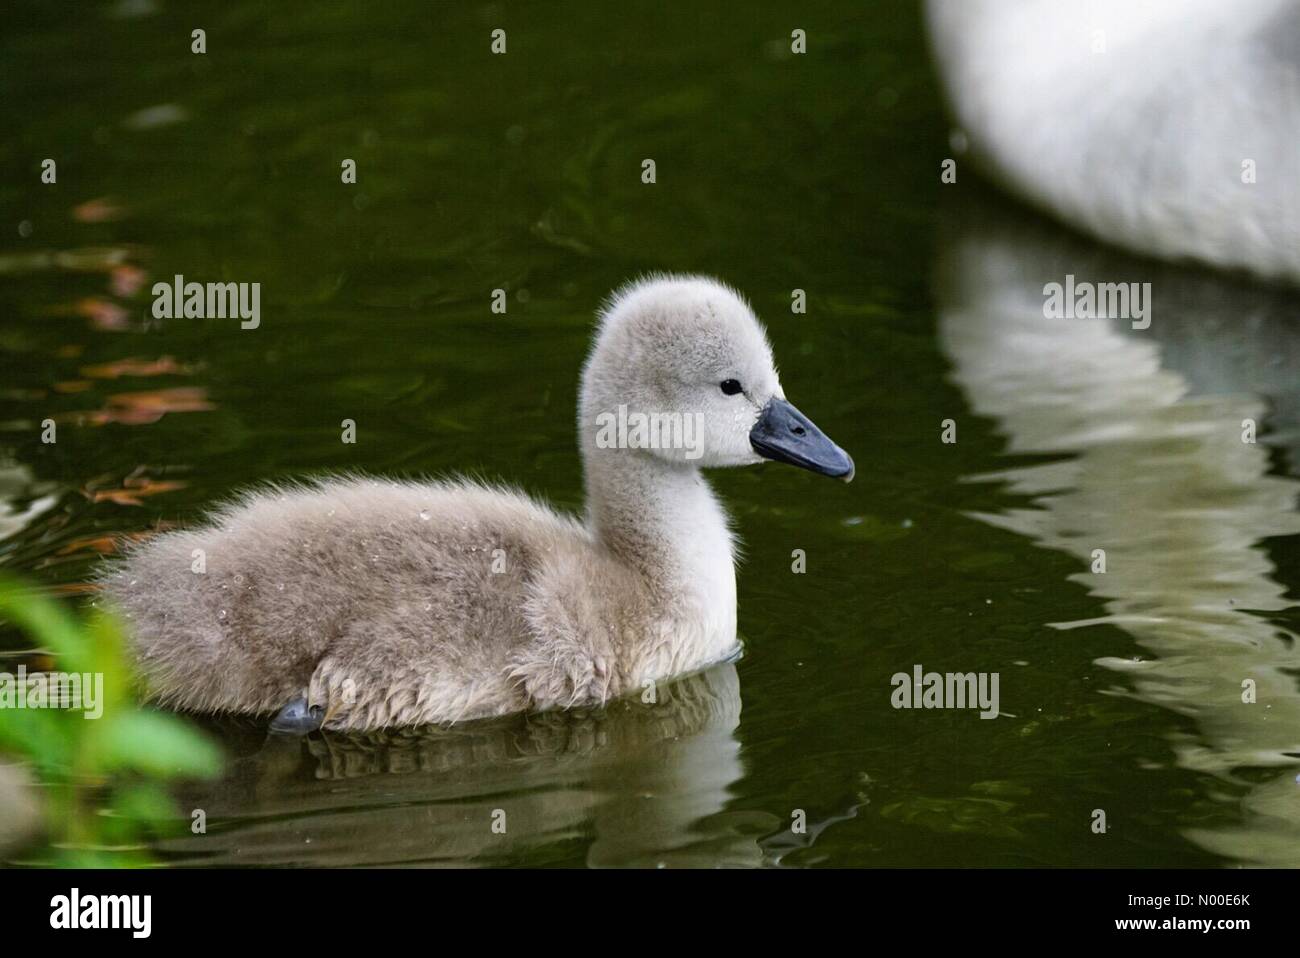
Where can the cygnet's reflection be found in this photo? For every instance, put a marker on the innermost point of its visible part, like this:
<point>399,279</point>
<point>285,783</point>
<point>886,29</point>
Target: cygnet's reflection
<point>643,784</point>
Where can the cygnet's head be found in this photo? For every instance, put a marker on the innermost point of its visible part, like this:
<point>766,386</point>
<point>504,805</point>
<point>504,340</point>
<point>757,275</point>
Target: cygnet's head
<point>681,370</point>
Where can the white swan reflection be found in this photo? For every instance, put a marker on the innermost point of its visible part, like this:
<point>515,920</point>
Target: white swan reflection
<point>1155,473</point>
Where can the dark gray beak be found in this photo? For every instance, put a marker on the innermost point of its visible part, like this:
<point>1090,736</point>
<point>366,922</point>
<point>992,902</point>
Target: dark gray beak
<point>784,434</point>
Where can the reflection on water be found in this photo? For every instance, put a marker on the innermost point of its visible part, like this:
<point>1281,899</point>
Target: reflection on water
<point>1145,433</point>
<point>636,784</point>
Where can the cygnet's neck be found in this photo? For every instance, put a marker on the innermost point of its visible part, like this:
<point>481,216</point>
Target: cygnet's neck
<point>662,519</point>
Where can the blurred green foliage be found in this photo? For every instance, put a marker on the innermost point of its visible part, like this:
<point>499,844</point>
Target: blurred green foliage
<point>103,780</point>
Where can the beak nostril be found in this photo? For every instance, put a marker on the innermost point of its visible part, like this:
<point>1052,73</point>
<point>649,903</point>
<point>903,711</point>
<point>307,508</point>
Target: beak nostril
<point>784,434</point>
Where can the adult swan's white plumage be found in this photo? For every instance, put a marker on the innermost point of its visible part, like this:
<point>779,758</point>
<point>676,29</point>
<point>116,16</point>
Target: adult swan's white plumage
<point>1167,126</point>
<point>361,603</point>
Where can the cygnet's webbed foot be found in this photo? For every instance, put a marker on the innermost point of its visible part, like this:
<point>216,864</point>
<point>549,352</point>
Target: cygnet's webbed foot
<point>298,718</point>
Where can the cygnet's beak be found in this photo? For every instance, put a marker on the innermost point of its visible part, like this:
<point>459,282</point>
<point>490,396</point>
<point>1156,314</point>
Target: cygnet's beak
<point>784,434</point>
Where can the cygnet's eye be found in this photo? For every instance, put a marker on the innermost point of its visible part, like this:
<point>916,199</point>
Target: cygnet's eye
<point>730,386</point>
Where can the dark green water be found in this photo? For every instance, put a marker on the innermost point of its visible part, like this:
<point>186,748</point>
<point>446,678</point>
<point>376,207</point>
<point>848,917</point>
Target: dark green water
<point>774,172</point>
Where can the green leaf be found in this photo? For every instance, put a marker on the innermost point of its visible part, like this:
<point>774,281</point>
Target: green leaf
<point>159,745</point>
<point>41,735</point>
<point>45,620</point>
<point>136,809</point>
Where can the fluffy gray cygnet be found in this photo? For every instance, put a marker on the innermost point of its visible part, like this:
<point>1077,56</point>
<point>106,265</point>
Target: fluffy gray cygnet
<point>359,603</point>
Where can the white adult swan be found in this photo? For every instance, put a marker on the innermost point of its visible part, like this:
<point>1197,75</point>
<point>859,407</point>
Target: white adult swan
<point>1166,126</point>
